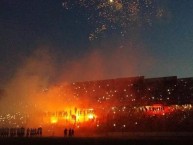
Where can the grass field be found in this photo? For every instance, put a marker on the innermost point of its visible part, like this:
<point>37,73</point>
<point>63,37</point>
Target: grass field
<point>98,141</point>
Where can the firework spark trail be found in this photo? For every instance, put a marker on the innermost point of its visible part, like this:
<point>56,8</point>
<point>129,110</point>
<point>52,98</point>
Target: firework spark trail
<point>107,15</point>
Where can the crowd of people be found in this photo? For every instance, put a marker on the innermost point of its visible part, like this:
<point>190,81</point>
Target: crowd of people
<point>135,121</point>
<point>69,132</point>
<point>20,132</point>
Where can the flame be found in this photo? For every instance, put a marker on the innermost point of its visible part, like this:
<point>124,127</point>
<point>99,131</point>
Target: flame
<point>53,120</point>
<point>70,116</point>
<point>91,116</point>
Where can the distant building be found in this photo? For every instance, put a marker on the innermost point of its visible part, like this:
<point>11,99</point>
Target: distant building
<point>161,90</point>
<point>136,90</point>
<point>185,90</point>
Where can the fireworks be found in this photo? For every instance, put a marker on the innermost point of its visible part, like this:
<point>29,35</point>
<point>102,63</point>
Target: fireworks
<point>116,15</point>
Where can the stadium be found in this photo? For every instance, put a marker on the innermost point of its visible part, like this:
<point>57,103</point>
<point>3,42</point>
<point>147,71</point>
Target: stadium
<point>133,104</point>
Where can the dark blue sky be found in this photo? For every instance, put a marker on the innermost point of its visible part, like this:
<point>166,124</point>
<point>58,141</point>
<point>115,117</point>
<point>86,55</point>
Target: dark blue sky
<point>166,44</point>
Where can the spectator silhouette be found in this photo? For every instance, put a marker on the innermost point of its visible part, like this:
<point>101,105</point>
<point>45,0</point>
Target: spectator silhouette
<point>65,132</point>
<point>70,132</point>
<point>28,132</point>
<point>40,131</point>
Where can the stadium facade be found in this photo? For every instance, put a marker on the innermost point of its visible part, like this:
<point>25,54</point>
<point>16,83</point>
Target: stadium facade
<point>137,90</point>
<point>122,104</point>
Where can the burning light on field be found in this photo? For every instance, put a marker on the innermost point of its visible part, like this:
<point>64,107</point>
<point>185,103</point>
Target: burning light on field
<point>91,116</point>
<point>53,120</point>
<point>70,116</point>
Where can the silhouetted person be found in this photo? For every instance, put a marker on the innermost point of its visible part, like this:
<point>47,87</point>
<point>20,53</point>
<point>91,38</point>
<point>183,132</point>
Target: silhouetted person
<point>31,132</point>
<point>35,132</point>
<point>11,132</point>
<point>70,132</point>
<point>28,132</point>
<point>22,132</point>
<point>65,132</point>
<point>18,132</point>
<point>40,131</point>
<point>6,132</point>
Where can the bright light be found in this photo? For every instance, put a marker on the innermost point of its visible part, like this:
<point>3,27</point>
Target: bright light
<point>90,116</point>
<point>53,120</point>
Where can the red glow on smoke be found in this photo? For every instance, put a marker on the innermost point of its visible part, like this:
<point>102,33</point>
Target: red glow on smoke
<point>158,109</point>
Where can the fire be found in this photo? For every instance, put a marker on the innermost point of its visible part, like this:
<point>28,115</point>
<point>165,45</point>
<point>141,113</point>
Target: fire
<point>53,120</point>
<point>70,116</point>
<point>91,116</point>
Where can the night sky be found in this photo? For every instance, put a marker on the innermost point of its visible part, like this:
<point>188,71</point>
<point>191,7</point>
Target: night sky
<point>154,40</point>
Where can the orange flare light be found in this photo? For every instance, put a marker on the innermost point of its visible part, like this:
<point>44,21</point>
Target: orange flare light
<point>53,120</point>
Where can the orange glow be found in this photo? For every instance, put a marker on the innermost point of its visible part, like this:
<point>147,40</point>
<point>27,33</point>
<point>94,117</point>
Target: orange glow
<point>157,109</point>
<point>70,116</point>
<point>91,116</point>
<point>53,120</point>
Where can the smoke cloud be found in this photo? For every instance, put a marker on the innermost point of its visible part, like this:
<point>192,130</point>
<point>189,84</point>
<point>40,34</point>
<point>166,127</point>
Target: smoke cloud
<point>108,63</point>
<point>32,90</point>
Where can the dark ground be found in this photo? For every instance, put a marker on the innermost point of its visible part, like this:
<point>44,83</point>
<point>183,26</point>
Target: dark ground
<point>98,141</point>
